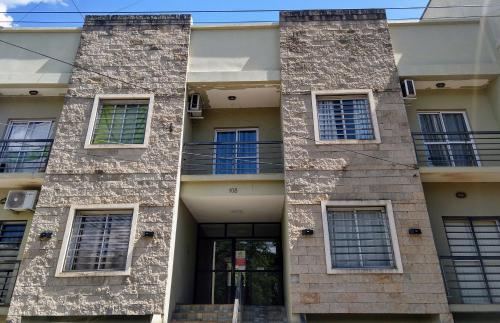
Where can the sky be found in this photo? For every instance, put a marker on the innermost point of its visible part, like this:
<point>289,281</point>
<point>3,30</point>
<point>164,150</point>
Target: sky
<point>23,13</point>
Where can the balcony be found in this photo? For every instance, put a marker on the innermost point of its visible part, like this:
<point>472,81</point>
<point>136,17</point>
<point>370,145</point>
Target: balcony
<point>224,181</point>
<point>22,162</point>
<point>458,156</point>
<point>233,158</point>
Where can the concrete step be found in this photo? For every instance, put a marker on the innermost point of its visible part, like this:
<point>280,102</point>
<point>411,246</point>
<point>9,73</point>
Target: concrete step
<point>205,313</point>
<point>264,314</point>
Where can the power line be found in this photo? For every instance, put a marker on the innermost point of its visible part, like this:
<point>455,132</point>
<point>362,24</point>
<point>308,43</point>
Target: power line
<point>247,10</point>
<point>78,9</point>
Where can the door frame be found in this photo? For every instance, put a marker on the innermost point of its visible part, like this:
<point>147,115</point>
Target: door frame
<point>279,254</point>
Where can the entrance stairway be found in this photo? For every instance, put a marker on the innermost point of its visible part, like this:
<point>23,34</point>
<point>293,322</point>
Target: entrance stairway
<point>264,314</point>
<point>208,313</point>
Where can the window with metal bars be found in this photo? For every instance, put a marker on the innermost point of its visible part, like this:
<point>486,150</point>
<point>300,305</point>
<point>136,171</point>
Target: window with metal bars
<point>99,241</point>
<point>472,271</point>
<point>120,123</point>
<point>344,117</point>
<point>360,238</point>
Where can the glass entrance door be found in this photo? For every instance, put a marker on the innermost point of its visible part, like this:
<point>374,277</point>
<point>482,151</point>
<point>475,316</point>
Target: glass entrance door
<point>245,254</point>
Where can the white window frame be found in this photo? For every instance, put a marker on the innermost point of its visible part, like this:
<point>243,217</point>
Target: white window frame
<point>446,141</point>
<point>346,93</point>
<point>218,130</point>
<point>67,235</point>
<point>392,229</point>
<point>126,98</point>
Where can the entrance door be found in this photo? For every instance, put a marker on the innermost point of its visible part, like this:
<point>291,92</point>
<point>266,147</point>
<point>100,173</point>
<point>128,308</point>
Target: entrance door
<point>242,254</point>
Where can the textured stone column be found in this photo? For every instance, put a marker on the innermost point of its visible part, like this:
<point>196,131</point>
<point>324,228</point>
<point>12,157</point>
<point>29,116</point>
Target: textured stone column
<point>345,50</point>
<point>140,54</point>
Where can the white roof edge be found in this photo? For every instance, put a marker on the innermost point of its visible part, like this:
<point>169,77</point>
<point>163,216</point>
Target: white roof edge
<point>39,29</point>
<point>440,21</point>
<point>235,25</point>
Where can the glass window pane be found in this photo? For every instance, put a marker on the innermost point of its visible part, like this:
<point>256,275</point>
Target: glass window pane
<point>239,230</point>
<point>99,242</point>
<point>348,118</point>
<point>212,230</point>
<point>267,230</point>
<point>360,238</point>
<point>120,124</point>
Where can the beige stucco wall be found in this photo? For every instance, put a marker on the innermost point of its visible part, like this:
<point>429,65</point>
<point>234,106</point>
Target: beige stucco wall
<point>234,54</point>
<point>443,48</point>
<point>476,103</point>
<point>29,108</point>
<point>481,200</point>
<point>19,66</point>
<point>267,120</point>
<point>183,276</point>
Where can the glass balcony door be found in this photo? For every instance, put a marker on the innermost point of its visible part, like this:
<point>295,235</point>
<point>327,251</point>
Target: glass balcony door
<point>236,151</point>
<point>447,139</point>
<point>25,147</point>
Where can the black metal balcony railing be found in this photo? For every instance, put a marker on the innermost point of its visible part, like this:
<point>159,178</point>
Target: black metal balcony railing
<point>24,156</point>
<point>472,280</point>
<point>260,157</point>
<point>457,149</point>
<point>8,276</point>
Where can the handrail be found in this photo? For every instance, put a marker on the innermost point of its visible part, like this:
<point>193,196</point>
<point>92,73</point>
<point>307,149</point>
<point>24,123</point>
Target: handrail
<point>238,302</point>
<point>224,158</point>
<point>24,155</point>
<point>457,149</point>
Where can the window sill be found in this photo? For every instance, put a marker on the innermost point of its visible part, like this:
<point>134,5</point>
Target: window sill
<point>93,273</point>
<point>115,146</point>
<point>334,271</point>
<point>348,142</point>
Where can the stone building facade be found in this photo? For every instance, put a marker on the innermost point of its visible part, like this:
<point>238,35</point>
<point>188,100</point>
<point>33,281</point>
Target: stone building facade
<point>351,50</point>
<point>141,55</point>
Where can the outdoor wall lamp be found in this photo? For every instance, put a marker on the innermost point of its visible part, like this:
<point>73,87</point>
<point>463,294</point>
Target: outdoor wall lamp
<point>415,231</point>
<point>307,232</point>
<point>148,234</point>
<point>45,235</point>
<point>33,92</point>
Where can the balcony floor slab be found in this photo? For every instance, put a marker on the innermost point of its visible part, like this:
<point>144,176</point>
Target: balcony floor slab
<point>460,174</point>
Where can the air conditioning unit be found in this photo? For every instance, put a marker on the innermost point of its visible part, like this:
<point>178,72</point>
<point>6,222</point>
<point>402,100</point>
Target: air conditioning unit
<point>195,106</point>
<point>409,89</point>
<point>21,200</point>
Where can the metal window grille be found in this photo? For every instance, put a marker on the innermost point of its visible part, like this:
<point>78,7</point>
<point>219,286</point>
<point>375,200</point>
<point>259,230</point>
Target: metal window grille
<point>344,118</point>
<point>11,237</point>
<point>472,271</point>
<point>120,124</point>
<point>99,241</point>
<point>360,238</point>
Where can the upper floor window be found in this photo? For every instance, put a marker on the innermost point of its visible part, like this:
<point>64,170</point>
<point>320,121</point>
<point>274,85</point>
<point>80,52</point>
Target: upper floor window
<point>98,240</point>
<point>345,117</point>
<point>360,236</point>
<point>26,146</point>
<point>120,121</point>
<point>447,139</point>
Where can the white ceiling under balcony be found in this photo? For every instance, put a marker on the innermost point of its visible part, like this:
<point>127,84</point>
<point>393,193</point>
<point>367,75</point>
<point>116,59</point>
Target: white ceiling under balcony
<point>238,198</point>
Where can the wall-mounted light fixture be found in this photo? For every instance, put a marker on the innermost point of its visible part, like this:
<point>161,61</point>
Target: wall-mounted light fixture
<point>460,195</point>
<point>415,231</point>
<point>148,234</point>
<point>307,232</point>
<point>231,98</point>
<point>440,85</point>
<point>45,235</point>
<point>33,92</point>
